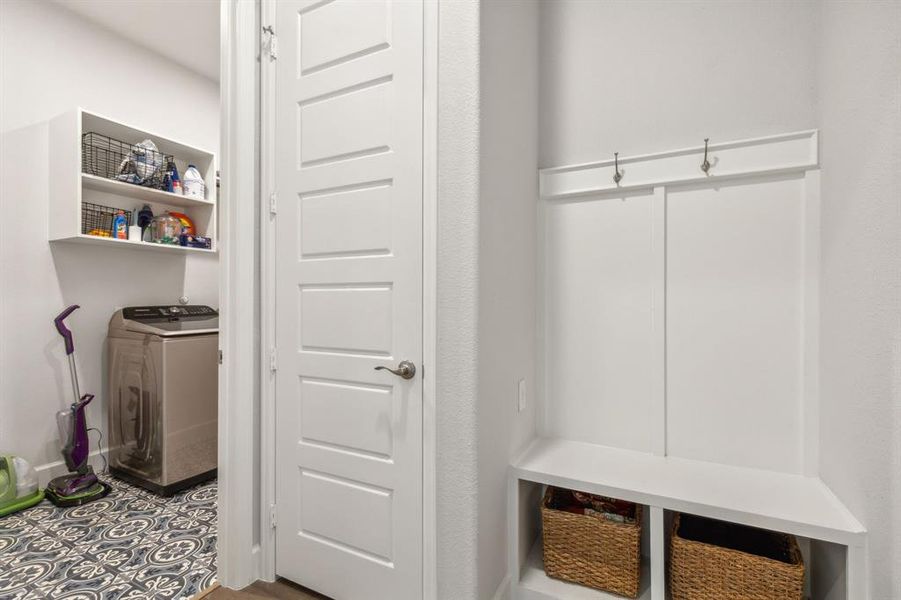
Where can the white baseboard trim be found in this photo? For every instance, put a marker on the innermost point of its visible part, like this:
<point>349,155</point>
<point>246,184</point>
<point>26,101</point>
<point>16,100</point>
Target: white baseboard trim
<point>256,556</point>
<point>48,471</point>
<point>503,590</point>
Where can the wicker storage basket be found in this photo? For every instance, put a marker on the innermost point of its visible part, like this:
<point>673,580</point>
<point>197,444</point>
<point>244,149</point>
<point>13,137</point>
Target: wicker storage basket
<point>756,565</point>
<point>591,550</point>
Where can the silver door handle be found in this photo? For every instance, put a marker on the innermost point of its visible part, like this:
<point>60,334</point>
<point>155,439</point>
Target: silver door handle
<point>405,369</point>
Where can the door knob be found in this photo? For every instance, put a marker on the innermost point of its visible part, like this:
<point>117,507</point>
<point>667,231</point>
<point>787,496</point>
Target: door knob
<point>405,369</point>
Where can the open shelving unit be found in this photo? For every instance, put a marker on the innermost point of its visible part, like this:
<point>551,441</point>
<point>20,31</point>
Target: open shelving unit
<point>678,357</point>
<point>70,187</point>
<point>796,504</point>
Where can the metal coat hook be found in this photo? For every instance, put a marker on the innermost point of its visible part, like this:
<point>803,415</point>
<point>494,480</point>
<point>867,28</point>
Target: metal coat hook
<point>617,175</point>
<point>705,166</point>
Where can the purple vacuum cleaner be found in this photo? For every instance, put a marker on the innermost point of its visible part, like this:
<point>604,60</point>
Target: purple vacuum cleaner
<point>81,485</point>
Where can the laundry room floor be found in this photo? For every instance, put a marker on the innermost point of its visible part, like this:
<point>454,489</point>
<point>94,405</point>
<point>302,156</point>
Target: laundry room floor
<point>129,545</point>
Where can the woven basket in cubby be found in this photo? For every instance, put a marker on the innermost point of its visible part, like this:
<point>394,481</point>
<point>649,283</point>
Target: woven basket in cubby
<point>715,560</point>
<point>590,550</point>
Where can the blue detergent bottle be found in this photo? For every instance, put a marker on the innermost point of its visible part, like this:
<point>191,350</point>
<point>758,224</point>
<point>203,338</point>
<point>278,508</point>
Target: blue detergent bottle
<point>120,226</point>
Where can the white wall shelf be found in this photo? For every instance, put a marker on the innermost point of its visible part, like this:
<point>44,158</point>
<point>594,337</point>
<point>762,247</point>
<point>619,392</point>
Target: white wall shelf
<point>795,504</point>
<point>140,193</point>
<point>777,154</point>
<point>132,245</point>
<point>70,187</point>
<point>778,501</point>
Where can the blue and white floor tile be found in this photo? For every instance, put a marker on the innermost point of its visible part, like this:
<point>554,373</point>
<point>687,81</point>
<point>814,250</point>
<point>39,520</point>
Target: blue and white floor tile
<point>131,545</point>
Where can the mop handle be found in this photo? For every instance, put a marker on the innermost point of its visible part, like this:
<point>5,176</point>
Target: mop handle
<point>63,330</point>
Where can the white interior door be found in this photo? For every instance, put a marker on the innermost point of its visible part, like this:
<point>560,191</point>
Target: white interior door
<point>349,296</point>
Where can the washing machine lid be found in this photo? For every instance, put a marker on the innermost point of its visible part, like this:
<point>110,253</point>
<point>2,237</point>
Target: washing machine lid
<point>167,321</point>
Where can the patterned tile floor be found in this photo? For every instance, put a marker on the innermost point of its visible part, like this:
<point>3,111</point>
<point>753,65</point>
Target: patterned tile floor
<point>130,545</point>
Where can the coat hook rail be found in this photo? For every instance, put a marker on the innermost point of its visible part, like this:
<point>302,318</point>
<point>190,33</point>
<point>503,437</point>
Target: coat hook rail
<point>705,166</point>
<point>617,174</point>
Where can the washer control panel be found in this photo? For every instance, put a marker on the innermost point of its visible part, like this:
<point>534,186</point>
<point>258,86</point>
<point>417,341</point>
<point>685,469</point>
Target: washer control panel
<point>171,313</point>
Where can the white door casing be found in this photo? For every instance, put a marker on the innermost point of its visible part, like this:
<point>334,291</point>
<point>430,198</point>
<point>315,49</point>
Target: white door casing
<point>348,138</point>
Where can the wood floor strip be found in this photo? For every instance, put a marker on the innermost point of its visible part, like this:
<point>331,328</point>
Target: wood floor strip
<point>206,592</point>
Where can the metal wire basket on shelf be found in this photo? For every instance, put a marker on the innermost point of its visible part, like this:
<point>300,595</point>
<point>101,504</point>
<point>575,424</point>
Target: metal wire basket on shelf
<point>97,220</point>
<point>140,164</point>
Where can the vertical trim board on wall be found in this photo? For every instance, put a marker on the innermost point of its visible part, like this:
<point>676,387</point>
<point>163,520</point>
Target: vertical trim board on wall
<point>810,406</point>
<point>657,416</point>
<point>237,291</point>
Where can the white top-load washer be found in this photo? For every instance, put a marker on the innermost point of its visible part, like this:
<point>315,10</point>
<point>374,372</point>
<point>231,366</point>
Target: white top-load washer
<point>163,395</point>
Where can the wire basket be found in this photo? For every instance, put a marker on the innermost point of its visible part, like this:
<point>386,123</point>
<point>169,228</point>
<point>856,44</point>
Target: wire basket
<point>110,158</point>
<point>97,220</point>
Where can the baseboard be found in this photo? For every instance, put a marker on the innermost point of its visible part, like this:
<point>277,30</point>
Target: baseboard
<point>257,557</point>
<point>503,590</point>
<point>48,471</point>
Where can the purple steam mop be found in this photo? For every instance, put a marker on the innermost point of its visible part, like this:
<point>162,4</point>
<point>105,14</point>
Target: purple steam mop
<point>81,484</point>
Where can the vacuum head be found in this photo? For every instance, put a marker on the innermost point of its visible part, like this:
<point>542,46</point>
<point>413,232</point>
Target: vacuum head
<point>95,492</point>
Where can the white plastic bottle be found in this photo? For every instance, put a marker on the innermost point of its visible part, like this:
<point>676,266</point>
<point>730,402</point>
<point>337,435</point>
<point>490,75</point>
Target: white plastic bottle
<point>192,183</point>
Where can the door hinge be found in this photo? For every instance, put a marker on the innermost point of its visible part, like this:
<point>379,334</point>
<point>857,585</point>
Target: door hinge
<point>273,360</point>
<point>271,42</point>
<point>273,516</point>
<point>273,203</point>
<point>220,357</point>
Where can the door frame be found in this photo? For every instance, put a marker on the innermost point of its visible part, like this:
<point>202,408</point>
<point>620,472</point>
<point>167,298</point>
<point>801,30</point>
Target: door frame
<point>238,563</point>
<point>264,554</point>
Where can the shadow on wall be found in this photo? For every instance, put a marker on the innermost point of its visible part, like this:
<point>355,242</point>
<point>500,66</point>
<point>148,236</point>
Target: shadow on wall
<point>102,280</point>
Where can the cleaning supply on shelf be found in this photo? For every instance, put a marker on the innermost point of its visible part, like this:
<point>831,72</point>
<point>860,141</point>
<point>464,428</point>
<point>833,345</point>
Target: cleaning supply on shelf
<point>193,183</point>
<point>144,218</point>
<point>172,180</point>
<point>120,226</point>
<point>134,233</point>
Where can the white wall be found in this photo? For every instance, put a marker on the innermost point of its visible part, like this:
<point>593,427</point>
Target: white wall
<point>487,186</point>
<point>860,122</point>
<point>457,339</point>
<point>508,188</point>
<point>51,61</point>
<point>639,77</point>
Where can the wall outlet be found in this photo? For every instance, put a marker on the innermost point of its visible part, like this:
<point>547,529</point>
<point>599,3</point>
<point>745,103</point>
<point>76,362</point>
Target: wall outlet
<point>521,395</point>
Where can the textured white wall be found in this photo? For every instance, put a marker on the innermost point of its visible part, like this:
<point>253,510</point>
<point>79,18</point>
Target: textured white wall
<point>458,264</point>
<point>638,77</point>
<point>508,194</point>
<point>860,123</point>
<point>52,61</point>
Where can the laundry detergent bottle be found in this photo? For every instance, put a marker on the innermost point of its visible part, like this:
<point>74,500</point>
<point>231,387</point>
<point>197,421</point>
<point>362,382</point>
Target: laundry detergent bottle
<point>120,226</point>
